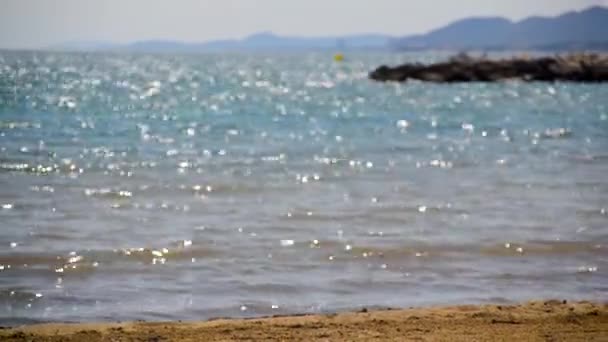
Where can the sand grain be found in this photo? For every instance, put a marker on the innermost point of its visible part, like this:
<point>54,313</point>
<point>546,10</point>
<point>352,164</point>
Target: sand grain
<point>534,321</point>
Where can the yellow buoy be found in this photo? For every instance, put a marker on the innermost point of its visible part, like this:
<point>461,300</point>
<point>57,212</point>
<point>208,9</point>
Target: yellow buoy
<point>338,57</point>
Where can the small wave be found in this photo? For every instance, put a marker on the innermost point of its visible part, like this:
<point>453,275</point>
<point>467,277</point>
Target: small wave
<point>40,169</point>
<point>88,261</point>
<point>108,193</point>
<point>350,251</point>
<point>555,133</point>
<point>18,125</point>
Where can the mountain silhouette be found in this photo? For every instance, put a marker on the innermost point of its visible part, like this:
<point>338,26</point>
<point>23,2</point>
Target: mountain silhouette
<point>587,29</point>
<point>572,30</point>
<point>266,41</point>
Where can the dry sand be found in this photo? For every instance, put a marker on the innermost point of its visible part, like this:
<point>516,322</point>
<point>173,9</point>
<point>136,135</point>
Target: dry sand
<point>535,321</point>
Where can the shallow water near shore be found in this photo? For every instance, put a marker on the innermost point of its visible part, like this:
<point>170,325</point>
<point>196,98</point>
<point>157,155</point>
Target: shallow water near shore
<point>189,187</point>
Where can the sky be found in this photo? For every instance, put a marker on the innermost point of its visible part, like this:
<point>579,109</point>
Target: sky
<point>44,23</point>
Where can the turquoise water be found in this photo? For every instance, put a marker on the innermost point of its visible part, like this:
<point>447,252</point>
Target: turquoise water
<point>189,187</point>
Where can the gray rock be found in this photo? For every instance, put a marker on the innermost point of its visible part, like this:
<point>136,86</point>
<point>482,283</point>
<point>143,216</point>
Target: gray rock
<point>462,68</point>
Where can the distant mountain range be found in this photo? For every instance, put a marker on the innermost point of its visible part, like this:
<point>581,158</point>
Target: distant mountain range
<point>260,41</point>
<point>587,29</point>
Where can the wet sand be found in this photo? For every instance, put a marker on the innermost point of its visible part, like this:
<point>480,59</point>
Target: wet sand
<point>535,321</point>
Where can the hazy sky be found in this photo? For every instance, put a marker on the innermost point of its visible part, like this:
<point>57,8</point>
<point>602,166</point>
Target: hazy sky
<point>39,23</point>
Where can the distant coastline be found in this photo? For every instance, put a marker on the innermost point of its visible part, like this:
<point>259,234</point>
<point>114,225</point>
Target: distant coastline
<point>572,31</point>
<point>264,41</point>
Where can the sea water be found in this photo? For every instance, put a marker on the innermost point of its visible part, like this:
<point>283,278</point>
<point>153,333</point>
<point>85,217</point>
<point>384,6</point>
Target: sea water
<point>165,187</point>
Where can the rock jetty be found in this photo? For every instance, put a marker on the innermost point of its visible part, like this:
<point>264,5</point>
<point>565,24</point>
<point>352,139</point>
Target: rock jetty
<point>462,68</point>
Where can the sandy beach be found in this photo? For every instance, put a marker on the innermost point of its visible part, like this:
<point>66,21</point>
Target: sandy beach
<point>551,320</point>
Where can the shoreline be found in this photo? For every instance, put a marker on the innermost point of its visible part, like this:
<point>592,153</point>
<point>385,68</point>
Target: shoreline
<point>532,321</point>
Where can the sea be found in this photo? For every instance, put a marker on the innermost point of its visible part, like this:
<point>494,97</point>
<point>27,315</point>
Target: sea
<point>190,187</point>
